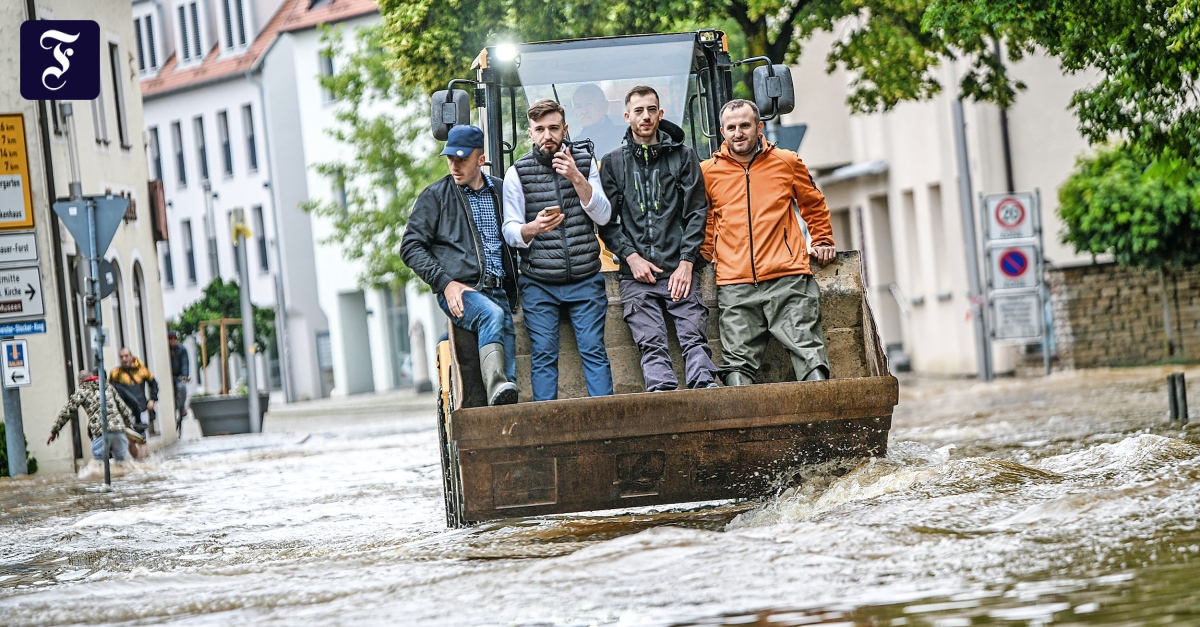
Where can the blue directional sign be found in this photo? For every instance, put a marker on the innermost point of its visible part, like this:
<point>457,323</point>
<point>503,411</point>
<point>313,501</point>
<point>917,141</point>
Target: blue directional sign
<point>109,211</point>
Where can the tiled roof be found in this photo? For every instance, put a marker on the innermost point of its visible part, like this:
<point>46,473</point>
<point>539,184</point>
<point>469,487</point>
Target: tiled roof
<point>293,15</point>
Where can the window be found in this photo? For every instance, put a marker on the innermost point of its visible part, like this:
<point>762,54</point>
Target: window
<point>189,31</point>
<point>326,62</point>
<point>339,189</point>
<point>189,251</point>
<point>147,54</point>
<point>234,20</point>
<point>55,116</point>
<point>114,57</point>
<point>177,141</point>
<point>201,148</point>
<point>260,234</point>
<point>99,120</point>
<point>226,148</point>
<point>251,145</point>
<point>168,267</point>
<point>155,155</point>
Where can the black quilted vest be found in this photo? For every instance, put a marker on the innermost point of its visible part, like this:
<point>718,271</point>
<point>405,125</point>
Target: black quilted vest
<point>571,252</point>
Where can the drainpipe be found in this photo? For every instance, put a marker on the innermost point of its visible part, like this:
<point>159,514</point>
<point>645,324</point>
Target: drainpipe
<point>281,310</point>
<point>64,311</point>
<point>983,360</point>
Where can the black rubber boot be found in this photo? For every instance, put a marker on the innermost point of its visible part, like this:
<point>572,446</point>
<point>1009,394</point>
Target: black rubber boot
<point>817,374</point>
<point>736,378</point>
<point>500,391</point>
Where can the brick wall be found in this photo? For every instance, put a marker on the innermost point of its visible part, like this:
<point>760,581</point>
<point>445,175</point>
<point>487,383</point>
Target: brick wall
<point>1106,315</point>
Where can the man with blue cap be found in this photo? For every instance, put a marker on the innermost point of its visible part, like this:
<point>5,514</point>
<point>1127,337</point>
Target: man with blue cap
<point>453,243</point>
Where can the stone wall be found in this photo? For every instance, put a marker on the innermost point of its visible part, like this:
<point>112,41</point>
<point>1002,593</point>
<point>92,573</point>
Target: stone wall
<point>1106,315</point>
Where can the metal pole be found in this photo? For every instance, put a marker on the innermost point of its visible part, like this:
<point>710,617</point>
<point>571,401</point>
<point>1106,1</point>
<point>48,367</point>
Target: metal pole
<point>94,287</point>
<point>239,232</point>
<point>982,360</point>
<point>1047,316</point>
<point>14,431</point>
<point>1181,397</point>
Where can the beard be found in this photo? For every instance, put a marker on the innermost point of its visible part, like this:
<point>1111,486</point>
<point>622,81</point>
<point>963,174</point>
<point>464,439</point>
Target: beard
<point>751,146</point>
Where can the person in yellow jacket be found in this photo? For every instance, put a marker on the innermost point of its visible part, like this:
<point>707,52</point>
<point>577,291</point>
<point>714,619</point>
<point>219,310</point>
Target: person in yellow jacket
<point>131,379</point>
<point>757,195</point>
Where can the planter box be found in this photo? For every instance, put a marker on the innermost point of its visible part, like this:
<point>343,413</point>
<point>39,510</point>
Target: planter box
<point>224,415</point>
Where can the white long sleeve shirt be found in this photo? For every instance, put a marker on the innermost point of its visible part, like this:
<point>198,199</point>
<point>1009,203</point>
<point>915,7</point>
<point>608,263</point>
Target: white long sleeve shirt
<point>599,209</point>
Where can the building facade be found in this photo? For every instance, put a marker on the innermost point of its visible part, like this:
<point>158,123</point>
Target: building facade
<point>892,183</point>
<point>111,156</point>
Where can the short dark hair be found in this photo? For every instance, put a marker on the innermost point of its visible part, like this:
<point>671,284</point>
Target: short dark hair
<point>542,108</point>
<point>641,90</point>
<point>738,103</point>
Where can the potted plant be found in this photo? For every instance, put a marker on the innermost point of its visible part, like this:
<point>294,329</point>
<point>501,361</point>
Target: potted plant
<point>223,407</point>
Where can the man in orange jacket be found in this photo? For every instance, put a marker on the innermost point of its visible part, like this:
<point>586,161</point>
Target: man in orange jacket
<point>764,282</point>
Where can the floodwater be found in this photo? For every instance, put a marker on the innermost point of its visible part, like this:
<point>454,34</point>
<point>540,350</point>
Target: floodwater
<point>1067,500</point>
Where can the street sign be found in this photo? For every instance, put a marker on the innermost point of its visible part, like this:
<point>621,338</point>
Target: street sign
<point>1010,216</point>
<point>1014,267</point>
<point>109,212</point>
<point>1017,317</point>
<point>13,329</point>
<point>108,280</point>
<point>16,199</point>
<point>16,363</point>
<point>18,247</point>
<point>21,293</point>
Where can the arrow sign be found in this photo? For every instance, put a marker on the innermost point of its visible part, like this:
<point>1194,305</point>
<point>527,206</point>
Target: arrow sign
<point>109,211</point>
<point>32,292</point>
<point>15,363</point>
<point>17,376</point>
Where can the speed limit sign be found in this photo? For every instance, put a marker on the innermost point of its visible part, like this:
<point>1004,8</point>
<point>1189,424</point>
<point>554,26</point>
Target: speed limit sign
<point>1009,216</point>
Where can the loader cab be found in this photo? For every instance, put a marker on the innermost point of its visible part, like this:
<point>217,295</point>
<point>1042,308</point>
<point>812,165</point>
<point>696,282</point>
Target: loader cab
<point>590,77</point>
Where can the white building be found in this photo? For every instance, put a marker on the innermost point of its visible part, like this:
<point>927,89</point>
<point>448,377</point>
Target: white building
<point>207,140</point>
<point>111,158</point>
<point>891,182</point>
<point>375,321</point>
<point>231,90</point>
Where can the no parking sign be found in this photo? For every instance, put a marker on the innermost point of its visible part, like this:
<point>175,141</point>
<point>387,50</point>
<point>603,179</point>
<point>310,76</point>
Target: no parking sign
<point>1015,267</point>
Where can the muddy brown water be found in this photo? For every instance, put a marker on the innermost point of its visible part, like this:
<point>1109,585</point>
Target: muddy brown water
<point>1067,500</point>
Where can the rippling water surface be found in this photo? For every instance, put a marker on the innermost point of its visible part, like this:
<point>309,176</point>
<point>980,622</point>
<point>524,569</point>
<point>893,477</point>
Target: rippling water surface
<point>1066,501</point>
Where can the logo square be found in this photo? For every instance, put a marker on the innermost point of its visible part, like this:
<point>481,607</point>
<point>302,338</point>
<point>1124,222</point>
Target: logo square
<point>60,60</point>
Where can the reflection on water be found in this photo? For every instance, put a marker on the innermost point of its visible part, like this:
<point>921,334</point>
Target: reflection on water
<point>1065,501</point>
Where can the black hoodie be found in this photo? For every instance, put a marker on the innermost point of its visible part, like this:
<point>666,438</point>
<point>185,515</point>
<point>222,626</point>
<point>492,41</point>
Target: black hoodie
<point>659,207</point>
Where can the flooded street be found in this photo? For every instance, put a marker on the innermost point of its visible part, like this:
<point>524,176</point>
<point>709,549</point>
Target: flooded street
<point>1067,500</point>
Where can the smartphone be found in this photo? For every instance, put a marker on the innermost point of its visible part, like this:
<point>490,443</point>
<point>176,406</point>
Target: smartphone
<point>553,210</point>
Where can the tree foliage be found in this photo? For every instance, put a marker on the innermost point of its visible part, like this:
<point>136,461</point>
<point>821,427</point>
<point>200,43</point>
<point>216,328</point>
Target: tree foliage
<point>383,121</point>
<point>1110,205</point>
<point>222,299</point>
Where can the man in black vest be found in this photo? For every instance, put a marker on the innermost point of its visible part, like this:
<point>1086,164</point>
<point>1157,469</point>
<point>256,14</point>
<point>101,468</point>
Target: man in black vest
<point>659,214</point>
<point>552,202</point>
<point>453,243</point>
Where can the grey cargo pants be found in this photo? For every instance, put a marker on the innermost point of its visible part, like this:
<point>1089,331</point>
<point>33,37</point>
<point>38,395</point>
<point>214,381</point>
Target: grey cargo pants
<point>644,305</point>
<point>789,308</point>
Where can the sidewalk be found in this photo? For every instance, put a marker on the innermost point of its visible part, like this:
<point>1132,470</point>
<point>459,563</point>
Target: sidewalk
<point>389,402</point>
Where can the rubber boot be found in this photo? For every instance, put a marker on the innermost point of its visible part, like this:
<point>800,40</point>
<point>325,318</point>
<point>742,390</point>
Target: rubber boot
<point>500,391</point>
<point>817,374</point>
<point>737,378</point>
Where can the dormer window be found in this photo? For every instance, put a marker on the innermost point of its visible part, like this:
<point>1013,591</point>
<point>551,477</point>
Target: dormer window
<point>147,44</point>
<point>189,32</point>
<point>233,18</point>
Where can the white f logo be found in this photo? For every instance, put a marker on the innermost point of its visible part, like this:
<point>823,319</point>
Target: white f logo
<point>59,55</point>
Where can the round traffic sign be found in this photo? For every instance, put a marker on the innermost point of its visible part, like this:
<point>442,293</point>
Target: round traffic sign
<point>1010,213</point>
<point>1013,263</point>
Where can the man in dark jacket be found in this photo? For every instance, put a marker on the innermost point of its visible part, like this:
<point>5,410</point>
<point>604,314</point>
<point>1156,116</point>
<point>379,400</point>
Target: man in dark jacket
<point>131,379</point>
<point>659,215</point>
<point>552,202</point>
<point>453,243</point>
<point>180,375</point>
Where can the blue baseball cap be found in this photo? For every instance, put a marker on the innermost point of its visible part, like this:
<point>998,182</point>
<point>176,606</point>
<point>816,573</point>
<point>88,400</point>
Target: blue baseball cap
<point>463,139</point>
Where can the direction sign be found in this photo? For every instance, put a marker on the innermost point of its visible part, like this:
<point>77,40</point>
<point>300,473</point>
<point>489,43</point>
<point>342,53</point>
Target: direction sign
<point>109,212</point>
<point>15,362</point>
<point>17,247</point>
<point>21,293</point>
<point>16,200</point>
<point>1017,317</point>
<point>12,329</point>
<point>1014,267</point>
<point>1010,216</point>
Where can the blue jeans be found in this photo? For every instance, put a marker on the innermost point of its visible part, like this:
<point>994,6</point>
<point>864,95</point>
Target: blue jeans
<point>585,303</point>
<point>486,314</point>
<point>118,445</point>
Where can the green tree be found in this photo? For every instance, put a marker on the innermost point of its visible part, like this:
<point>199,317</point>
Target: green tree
<point>1110,205</point>
<point>222,299</point>
<point>384,122</point>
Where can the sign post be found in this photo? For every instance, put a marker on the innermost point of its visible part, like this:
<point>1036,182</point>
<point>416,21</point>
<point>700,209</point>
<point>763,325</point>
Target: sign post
<point>20,288</point>
<point>16,374</point>
<point>1015,269</point>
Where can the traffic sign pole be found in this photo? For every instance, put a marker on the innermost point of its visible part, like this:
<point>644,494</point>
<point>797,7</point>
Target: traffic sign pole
<point>94,288</point>
<point>14,431</point>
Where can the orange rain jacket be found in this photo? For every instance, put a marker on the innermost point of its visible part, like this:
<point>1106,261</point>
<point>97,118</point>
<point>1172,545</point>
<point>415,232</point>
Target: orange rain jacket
<point>753,233</point>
